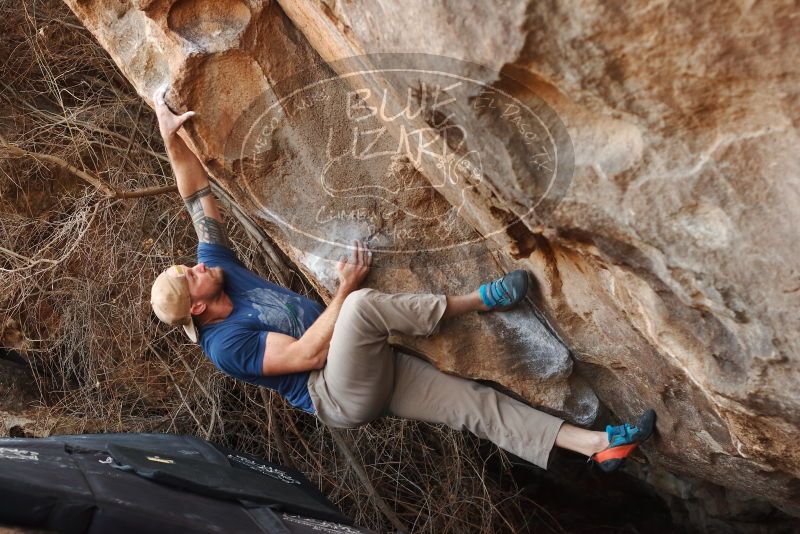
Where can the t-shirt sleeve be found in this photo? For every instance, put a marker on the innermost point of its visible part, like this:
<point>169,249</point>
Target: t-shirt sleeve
<point>239,353</point>
<point>216,255</point>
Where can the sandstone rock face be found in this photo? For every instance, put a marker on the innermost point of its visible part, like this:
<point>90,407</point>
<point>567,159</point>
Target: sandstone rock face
<point>666,250</point>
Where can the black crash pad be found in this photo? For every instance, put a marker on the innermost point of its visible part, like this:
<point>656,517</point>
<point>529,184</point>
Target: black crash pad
<point>104,483</point>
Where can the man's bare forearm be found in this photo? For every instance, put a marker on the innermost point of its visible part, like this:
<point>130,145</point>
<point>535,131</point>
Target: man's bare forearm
<point>189,173</point>
<point>284,354</point>
<point>194,187</point>
<point>316,341</point>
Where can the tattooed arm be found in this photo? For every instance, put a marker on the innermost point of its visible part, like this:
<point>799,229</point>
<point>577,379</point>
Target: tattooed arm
<point>206,218</point>
<point>192,180</point>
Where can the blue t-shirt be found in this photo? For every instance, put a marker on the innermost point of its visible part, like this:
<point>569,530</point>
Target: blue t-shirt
<point>236,344</point>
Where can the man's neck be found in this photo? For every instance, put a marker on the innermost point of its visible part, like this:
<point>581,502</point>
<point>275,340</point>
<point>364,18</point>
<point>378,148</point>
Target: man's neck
<point>217,310</point>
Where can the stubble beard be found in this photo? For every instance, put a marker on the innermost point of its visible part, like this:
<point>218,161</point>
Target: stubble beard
<point>219,278</point>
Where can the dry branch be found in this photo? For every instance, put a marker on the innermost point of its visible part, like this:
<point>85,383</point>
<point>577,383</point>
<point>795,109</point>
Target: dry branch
<point>361,473</point>
<point>275,431</point>
<point>107,190</point>
<point>275,263</point>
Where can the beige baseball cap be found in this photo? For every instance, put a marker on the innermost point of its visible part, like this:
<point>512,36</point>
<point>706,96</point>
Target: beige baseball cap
<point>171,300</point>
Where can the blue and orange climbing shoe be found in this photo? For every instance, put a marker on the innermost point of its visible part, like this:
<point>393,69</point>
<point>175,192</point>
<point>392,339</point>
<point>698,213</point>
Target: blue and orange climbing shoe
<point>505,292</point>
<point>623,440</point>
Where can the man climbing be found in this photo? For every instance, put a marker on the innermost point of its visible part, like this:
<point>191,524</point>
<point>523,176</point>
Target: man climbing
<point>337,363</point>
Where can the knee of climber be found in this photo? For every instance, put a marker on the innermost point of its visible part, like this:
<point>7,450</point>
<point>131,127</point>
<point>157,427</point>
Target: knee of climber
<point>354,303</point>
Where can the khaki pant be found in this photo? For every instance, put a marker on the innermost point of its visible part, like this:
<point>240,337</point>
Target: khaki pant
<point>364,378</point>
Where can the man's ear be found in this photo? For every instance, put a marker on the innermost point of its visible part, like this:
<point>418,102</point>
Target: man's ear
<point>198,308</point>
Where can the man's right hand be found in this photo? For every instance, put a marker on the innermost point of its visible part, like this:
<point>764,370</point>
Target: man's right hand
<point>168,122</point>
<point>353,271</point>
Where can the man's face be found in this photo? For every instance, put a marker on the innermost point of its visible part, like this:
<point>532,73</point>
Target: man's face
<point>205,283</point>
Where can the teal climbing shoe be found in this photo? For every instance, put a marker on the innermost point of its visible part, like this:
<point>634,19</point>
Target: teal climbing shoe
<point>506,291</point>
<point>623,440</point>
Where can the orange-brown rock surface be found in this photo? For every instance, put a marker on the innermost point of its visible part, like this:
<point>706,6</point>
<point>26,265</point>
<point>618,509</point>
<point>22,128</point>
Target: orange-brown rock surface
<point>665,243</point>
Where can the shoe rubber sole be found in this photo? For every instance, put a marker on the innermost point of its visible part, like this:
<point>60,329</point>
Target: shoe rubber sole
<point>613,458</point>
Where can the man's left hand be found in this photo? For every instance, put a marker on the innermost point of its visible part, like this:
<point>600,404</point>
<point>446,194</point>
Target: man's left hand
<point>353,271</point>
<point>168,122</point>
